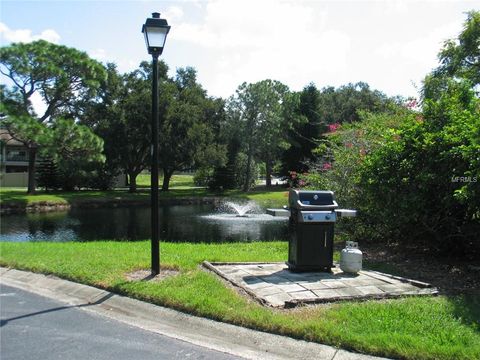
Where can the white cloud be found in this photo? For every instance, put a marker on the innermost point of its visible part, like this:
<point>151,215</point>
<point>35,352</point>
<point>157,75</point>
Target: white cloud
<point>173,14</point>
<point>415,58</point>
<point>98,54</point>
<point>388,44</point>
<point>128,65</point>
<point>253,40</point>
<point>422,50</point>
<point>25,35</point>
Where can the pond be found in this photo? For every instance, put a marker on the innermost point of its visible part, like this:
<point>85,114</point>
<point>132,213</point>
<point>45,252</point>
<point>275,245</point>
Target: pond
<point>181,223</point>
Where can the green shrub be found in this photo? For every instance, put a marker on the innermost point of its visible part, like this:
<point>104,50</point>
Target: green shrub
<point>101,177</point>
<point>414,177</point>
<point>203,176</point>
<point>423,186</point>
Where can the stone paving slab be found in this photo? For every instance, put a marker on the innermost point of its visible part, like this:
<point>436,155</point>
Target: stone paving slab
<point>272,284</point>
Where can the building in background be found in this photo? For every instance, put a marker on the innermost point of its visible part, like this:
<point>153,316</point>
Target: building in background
<point>13,161</point>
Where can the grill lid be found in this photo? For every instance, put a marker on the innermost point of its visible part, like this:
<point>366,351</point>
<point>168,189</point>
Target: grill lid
<point>312,200</point>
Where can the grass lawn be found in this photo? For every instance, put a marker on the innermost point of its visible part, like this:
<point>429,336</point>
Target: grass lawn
<point>177,181</point>
<point>413,328</point>
<point>180,186</point>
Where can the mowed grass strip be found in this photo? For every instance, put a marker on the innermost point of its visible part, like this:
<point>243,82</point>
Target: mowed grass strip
<point>181,186</point>
<point>177,181</point>
<point>412,328</point>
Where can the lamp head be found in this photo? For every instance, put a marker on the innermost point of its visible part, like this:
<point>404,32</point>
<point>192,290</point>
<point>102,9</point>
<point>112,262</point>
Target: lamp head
<point>155,31</point>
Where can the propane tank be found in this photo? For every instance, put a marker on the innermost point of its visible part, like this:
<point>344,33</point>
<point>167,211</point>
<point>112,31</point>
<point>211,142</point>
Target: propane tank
<point>351,258</point>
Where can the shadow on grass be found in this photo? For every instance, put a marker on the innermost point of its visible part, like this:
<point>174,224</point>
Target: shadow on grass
<point>467,309</point>
<point>13,200</point>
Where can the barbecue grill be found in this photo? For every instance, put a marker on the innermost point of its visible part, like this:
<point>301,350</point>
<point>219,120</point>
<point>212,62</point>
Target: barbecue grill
<point>312,219</point>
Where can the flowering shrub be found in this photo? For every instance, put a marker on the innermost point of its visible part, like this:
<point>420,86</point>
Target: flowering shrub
<point>333,127</point>
<point>411,103</point>
<point>407,184</point>
<point>326,166</point>
<point>343,158</point>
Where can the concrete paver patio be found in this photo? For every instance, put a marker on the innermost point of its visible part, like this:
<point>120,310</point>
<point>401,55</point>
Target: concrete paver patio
<point>274,285</point>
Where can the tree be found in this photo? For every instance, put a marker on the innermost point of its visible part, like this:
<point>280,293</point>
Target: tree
<point>460,57</point>
<point>208,173</point>
<point>342,105</point>
<point>133,125</point>
<point>226,176</point>
<point>427,175</point>
<point>306,131</point>
<point>122,117</point>
<point>48,175</point>
<point>316,112</point>
<point>100,113</point>
<point>258,109</point>
<point>187,138</point>
<point>73,148</point>
<point>61,76</point>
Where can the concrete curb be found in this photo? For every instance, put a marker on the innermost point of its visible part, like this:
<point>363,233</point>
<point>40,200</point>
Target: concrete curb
<point>235,340</point>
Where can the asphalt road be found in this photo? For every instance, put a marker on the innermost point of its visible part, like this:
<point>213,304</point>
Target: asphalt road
<point>34,327</point>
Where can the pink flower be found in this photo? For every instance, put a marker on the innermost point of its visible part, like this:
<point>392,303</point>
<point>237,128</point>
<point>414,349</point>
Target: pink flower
<point>348,145</point>
<point>411,103</point>
<point>333,127</point>
<point>327,166</point>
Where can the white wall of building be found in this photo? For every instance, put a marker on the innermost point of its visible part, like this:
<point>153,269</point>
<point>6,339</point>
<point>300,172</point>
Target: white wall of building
<point>14,180</point>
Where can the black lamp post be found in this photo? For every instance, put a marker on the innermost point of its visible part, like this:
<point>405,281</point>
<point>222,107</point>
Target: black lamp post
<point>155,31</point>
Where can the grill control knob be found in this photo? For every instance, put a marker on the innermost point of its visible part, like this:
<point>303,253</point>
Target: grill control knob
<point>310,217</point>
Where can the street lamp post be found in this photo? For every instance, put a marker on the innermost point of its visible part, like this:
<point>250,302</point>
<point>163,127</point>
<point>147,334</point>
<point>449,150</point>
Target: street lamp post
<point>155,31</point>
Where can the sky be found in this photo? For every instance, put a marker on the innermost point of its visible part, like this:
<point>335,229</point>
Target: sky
<point>391,45</point>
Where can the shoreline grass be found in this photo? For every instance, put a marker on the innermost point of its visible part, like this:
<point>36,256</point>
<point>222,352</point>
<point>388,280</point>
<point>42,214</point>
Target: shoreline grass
<point>411,328</point>
<point>266,198</point>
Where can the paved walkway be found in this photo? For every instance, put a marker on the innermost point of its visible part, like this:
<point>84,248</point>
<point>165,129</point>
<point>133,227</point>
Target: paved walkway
<point>230,339</point>
<point>274,285</point>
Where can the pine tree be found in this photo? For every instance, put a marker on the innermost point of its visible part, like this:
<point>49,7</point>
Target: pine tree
<point>48,175</point>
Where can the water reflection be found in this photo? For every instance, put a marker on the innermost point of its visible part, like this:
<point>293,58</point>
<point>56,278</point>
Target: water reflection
<point>186,223</point>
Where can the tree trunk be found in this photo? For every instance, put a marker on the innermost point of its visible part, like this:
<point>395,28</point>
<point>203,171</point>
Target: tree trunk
<point>132,183</point>
<point>268,172</point>
<point>167,174</point>
<point>248,175</point>
<point>32,156</point>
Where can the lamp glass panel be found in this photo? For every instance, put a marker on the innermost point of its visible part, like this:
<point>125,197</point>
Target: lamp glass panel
<point>156,36</point>
<point>146,38</point>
